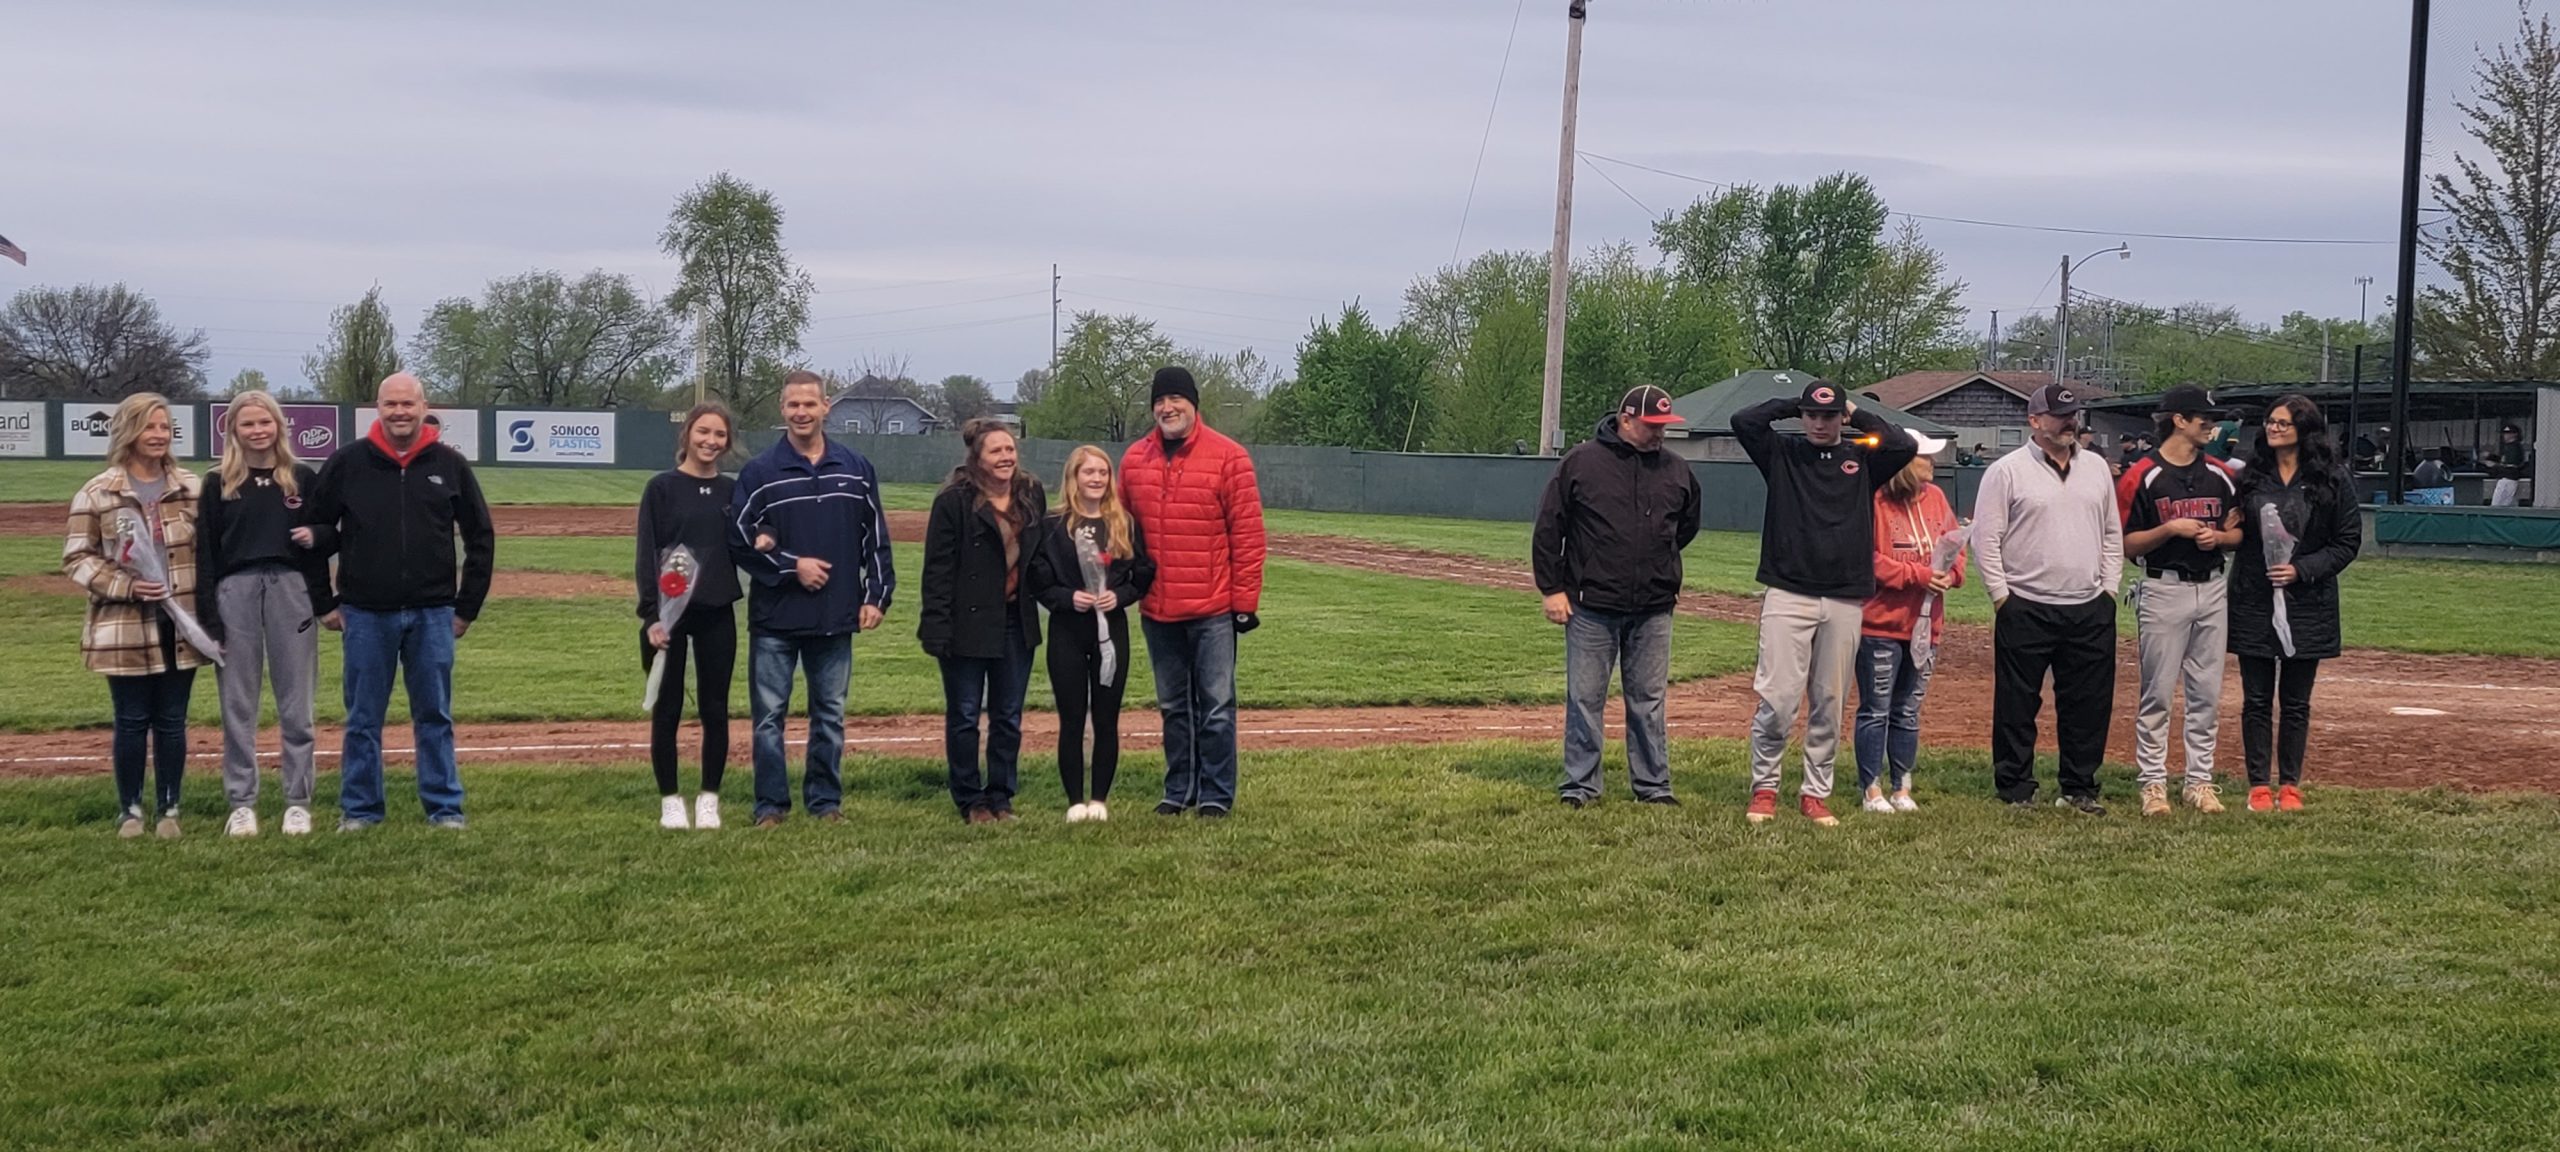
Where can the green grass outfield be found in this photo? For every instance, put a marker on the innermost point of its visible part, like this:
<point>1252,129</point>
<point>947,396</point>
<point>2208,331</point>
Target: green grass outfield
<point>1331,637</point>
<point>1391,949</point>
<point>2437,606</point>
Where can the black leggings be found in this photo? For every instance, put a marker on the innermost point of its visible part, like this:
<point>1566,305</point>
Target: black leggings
<point>151,714</point>
<point>1075,663</point>
<point>711,634</point>
<point>2269,686</point>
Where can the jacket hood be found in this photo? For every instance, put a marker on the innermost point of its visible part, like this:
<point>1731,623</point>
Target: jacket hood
<point>427,434</point>
<point>1607,433</point>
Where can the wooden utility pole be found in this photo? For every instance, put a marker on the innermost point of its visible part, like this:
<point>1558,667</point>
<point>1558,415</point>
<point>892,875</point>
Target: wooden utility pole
<point>1560,260</point>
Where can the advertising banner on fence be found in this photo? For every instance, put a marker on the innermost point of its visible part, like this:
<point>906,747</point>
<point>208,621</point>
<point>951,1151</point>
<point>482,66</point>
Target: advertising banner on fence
<point>85,424</point>
<point>458,427</point>
<point>312,429</point>
<point>554,437</point>
<point>22,428</point>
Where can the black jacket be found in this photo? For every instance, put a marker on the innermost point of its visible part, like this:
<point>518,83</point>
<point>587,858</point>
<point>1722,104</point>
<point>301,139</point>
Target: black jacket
<point>1818,527</point>
<point>391,526</point>
<point>962,601</point>
<point>1056,574</point>
<point>2328,530</point>
<point>1612,524</point>
<point>693,511</point>
<point>253,526</point>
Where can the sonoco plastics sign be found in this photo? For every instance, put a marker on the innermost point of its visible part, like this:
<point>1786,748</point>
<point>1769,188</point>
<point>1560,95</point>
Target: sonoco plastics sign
<point>555,437</point>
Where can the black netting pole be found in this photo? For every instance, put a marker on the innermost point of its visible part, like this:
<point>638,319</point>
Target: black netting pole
<point>2401,342</point>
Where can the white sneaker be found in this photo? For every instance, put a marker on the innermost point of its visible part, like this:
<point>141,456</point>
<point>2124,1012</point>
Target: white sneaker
<point>1079,813</point>
<point>1902,802</point>
<point>1096,812</point>
<point>243,822</point>
<point>706,811</point>
<point>1875,802</point>
<point>671,812</point>
<point>297,821</point>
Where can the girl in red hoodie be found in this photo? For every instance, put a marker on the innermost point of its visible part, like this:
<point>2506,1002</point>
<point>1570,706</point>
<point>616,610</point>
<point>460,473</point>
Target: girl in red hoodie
<point>1893,671</point>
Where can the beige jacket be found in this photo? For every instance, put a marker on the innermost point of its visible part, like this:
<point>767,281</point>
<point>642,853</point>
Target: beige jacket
<point>122,635</point>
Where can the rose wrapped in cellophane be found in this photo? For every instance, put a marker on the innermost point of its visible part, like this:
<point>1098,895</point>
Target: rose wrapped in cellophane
<point>1097,579</point>
<point>2280,544</point>
<point>138,552</point>
<point>1942,560</point>
<point>676,570</point>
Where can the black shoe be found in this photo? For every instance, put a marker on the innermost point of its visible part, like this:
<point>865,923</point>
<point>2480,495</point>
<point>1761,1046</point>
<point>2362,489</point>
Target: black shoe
<point>1666,799</point>
<point>2085,805</point>
<point>1212,812</point>
<point>1168,808</point>
<point>1573,802</point>
<point>2026,805</point>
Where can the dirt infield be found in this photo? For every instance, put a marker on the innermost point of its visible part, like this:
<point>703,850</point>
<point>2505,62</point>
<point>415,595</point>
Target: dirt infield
<point>2383,718</point>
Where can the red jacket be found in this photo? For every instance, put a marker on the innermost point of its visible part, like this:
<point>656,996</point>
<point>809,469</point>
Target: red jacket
<point>1906,540</point>
<point>1202,515</point>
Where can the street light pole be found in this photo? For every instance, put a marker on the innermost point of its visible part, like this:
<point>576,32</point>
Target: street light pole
<point>2062,307</point>
<point>1559,259</point>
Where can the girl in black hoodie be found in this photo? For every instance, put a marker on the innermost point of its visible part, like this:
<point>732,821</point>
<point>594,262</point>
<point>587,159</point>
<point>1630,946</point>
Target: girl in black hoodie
<point>1089,516</point>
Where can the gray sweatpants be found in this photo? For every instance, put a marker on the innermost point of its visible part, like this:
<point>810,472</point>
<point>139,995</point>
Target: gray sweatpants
<point>1808,648</point>
<point>2183,632</point>
<point>267,625</point>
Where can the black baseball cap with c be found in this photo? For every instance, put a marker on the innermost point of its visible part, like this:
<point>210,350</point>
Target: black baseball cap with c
<point>1823,396</point>
<point>1649,404</point>
<point>2187,400</point>
<point>2053,400</point>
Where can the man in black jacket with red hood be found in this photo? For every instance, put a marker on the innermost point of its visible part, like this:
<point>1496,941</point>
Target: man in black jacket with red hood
<point>1606,553</point>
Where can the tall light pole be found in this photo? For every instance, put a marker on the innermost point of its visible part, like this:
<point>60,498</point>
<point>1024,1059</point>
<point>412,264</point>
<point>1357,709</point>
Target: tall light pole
<point>2062,307</point>
<point>1560,259</point>
<point>2364,291</point>
<point>2406,298</point>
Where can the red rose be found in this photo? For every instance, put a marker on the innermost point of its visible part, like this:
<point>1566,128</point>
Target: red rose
<point>672,584</point>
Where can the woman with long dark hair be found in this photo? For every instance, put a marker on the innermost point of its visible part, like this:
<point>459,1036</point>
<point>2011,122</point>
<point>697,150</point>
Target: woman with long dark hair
<point>2296,471</point>
<point>978,617</point>
<point>689,505</point>
<point>1091,537</point>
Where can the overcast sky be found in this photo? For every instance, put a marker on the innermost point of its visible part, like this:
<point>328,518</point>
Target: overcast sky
<point>1228,168</point>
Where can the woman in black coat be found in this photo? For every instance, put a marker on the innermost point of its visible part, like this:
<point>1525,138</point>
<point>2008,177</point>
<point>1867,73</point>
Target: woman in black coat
<point>1080,617</point>
<point>2295,470</point>
<point>977,615</point>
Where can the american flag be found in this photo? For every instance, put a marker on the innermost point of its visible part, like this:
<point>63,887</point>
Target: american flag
<point>13,252</point>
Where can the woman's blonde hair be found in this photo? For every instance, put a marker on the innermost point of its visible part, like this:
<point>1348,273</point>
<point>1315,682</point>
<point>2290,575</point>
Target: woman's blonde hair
<point>1907,483</point>
<point>125,430</point>
<point>234,469</point>
<point>1120,538</point>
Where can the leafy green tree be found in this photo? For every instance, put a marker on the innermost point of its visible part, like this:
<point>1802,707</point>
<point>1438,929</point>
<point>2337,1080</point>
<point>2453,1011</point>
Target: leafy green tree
<point>966,398</point>
<point>1358,386</point>
<point>453,356</point>
<point>2497,313</point>
<point>727,234</point>
<point>245,381</point>
<point>95,343</point>
<point>1105,368</point>
<point>1232,388</point>
<point>1904,315</point>
<point>541,338</point>
<point>361,349</point>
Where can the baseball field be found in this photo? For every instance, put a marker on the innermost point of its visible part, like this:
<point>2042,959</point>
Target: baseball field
<point>1401,940</point>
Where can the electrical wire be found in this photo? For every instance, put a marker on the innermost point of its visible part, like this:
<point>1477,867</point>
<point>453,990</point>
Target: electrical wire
<point>1482,145</point>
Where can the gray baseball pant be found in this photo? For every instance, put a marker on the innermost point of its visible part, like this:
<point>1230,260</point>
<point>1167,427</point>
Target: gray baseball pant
<point>2183,631</point>
<point>267,626</point>
<point>1808,647</point>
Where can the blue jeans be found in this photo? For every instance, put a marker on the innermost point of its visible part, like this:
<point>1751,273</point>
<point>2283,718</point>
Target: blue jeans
<point>1890,687</point>
<point>151,716</point>
<point>1195,665</point>
<point>993,689</point>
<point>1639,647</point>
<point>418,644</point>
<point>828,661</point>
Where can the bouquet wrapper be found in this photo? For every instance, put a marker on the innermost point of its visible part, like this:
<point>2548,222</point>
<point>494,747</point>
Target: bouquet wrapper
<point>1942,560</point>
<point>139,553</point>
<point>2280,544</point>
<point>676,571</point>
<point>1097,576</point>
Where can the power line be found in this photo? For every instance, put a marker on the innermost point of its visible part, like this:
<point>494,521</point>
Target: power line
<point>930,307</point>
<point>844,336</point>
<point>925,283</point>
<point>1207,288</point>
<point>1966,220</point>
<point>1487,142</point>
<point>1174,307</point>
<point>1603,173</point>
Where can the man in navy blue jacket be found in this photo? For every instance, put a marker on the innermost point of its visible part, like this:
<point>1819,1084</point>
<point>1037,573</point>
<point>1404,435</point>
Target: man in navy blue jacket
<point>809,528</point>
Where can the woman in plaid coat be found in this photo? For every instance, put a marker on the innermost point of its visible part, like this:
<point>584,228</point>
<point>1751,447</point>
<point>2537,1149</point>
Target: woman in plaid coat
<point>127,638</point>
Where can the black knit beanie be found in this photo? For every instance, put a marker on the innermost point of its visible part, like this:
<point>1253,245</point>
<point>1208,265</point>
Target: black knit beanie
<point>1174,380</point>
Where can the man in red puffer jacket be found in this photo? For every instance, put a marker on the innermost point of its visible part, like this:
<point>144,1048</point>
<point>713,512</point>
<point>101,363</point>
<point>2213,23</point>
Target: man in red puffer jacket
<point>1193,493</point>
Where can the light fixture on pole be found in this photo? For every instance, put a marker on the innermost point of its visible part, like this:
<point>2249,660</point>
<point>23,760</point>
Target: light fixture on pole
<point>2062,307</point>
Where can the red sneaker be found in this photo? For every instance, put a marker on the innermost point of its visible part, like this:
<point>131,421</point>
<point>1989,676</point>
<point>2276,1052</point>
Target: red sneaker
<point>1764,804</point>
<point>1817,811</point>
<point>2261,799</point>
<point>2288,799</point>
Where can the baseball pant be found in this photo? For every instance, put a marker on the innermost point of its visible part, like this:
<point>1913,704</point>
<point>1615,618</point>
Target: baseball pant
<point>267,629</point>
<point>2182,632</point>
<point>1808,645</point>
